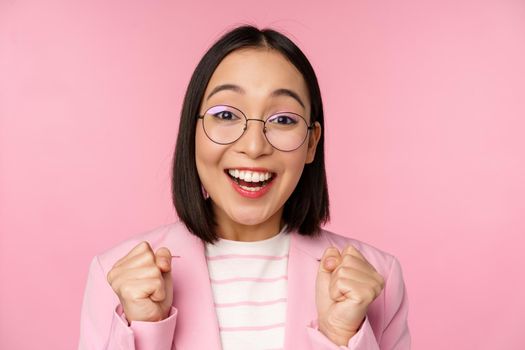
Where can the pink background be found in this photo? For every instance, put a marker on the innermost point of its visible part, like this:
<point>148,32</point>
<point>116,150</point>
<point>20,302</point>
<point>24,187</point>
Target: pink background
<point>424,105</point>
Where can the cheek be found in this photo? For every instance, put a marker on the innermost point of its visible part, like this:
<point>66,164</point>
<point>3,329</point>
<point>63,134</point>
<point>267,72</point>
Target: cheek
<point>207,154</point>
<point>201,156</point>
<point>294,166</point>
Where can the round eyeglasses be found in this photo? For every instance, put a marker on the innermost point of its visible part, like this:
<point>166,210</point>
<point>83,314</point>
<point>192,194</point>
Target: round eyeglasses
<point>285,131</point>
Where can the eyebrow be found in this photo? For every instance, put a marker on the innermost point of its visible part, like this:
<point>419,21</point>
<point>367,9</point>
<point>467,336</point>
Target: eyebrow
<point>240,90</point>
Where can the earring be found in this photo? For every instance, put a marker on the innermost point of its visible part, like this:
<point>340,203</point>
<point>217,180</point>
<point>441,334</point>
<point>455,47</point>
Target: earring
<point>204,192</point>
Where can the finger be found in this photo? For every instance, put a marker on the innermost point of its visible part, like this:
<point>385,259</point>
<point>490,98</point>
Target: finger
<point>146,258</point>
<point>330,260</point>
<point>137,261</point>
<point>142,289</point>
<point>346,289</point>
<point>159,293</point>
<point>351,250</point>
<point>163,259</point>
<point>364,266</point>
<point>123,276</point>
<point>356,262</point>
<point>168,281</point>
<point>140,248</point>
<point>356,275</point>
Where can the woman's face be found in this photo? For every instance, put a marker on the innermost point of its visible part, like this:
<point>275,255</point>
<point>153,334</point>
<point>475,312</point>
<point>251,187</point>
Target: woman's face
<point>258,72</point>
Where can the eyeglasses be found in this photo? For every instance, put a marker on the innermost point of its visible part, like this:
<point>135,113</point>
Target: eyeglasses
<point>285,131</point>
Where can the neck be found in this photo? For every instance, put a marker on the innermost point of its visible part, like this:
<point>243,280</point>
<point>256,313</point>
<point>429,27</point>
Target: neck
<point>234,231</point>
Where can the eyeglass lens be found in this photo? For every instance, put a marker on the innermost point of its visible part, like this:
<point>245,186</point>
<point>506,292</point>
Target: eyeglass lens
<point>225,124</point>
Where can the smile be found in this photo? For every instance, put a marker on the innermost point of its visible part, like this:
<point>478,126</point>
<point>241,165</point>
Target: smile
<point>250,183</point>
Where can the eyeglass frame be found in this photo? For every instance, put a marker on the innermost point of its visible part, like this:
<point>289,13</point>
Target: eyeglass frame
<point>246,119</point>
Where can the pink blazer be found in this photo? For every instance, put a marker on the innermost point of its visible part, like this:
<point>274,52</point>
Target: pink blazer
<point>192,324</point>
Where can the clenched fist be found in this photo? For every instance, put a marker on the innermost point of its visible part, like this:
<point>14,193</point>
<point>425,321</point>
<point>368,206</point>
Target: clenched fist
<point>142,282</point>
<point>346,284</point>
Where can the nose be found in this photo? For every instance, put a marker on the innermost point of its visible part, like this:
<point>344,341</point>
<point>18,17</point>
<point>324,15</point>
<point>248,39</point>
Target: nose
<point>253,142</point>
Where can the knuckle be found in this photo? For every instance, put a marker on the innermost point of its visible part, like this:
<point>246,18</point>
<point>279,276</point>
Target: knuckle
<point>148,258</point>
<point>381,281</point>
<point>337,272</point>
<point>350,260</point>
<point>348,246</point>
<point>139,248</point>
<point>143,246</point>
<point>154,272</point>
<point>369,295</point>
<point>113,275</point>
<point>377,291</point>
<point>350,249</point>
<point>343,271</point>
<point>344,260</point>
<point>109,276</point>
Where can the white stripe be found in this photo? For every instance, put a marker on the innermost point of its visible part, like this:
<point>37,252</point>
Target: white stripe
<point>239,316</point>
<point>250,292</point>
<point>226,269</point>
<point>242,291</point>
<point>272,338</point>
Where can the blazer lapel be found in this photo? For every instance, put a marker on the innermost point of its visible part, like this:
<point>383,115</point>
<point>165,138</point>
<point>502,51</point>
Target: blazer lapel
<point>303,264</point>
<point>197,326</point>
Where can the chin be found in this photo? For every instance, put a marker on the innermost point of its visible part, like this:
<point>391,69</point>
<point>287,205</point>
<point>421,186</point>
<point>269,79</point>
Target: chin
<point>248,217</point>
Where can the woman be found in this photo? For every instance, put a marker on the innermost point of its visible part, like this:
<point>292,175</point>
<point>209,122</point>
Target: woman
<point>248,265</point>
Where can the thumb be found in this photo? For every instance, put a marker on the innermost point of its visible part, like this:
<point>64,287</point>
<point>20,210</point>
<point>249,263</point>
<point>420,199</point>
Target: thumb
<point>329,261</point>
<point>163,259</point>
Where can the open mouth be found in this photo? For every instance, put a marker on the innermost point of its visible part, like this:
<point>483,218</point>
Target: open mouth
<point>252,181</point>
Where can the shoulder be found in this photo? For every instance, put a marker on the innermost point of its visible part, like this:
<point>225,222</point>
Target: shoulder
<point>156,237</point>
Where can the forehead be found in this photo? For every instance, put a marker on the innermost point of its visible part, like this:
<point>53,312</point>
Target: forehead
<point>259,71</point>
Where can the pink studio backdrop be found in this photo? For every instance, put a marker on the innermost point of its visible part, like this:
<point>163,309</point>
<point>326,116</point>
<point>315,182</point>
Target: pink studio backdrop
<point>424,105</point>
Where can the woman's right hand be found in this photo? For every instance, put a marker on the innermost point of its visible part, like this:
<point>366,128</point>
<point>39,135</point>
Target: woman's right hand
<point>142,282</point>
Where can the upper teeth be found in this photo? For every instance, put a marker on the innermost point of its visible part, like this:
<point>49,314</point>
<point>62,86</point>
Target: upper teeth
<point>249,176</point>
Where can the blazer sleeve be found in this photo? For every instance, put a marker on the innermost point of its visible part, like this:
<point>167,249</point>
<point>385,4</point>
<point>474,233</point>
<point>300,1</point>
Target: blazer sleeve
<point>103,326</point>
<point>395,334</point>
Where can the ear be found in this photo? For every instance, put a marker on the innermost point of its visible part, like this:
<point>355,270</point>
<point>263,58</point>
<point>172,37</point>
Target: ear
<point>313,140</point>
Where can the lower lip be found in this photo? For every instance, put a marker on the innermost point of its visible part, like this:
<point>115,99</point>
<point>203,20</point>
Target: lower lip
<point>250,194</point>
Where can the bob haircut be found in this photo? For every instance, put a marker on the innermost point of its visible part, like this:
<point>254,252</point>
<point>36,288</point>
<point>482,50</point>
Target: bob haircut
<point>307,207</point>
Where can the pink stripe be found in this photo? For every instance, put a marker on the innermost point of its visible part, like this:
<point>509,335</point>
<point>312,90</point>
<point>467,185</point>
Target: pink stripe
<point>248,279</point>
<point>247,256</point>
<point>254,303</point>
<point>251,328</point>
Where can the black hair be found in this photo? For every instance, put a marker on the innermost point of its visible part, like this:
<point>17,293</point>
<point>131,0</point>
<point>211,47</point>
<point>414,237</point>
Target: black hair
<point>308,205</point>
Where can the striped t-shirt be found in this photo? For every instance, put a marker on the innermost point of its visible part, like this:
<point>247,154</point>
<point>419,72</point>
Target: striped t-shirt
<point>249,282</point>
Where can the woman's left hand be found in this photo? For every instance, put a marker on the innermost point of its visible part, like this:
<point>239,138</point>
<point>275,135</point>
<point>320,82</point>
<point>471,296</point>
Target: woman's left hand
<point>346,284</point>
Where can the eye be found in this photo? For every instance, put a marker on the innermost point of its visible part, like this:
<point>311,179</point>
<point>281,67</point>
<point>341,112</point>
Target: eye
<point>226,115</point>
<point>222,113</point>
<point>283,119</point>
